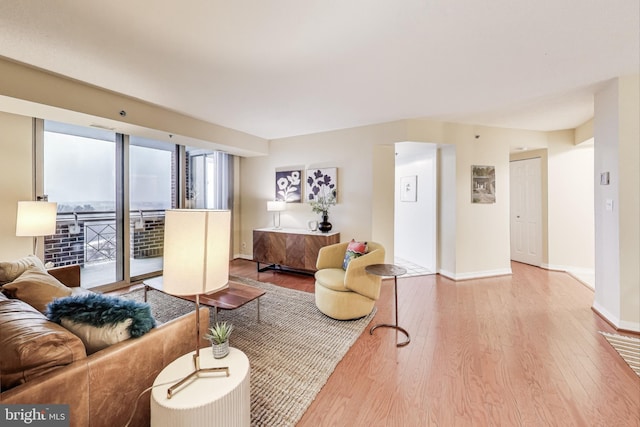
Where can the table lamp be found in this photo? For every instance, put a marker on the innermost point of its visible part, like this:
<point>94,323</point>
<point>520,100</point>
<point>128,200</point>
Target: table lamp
<point>196,262</point>
<point>35,219</point>
<point>276,207</point>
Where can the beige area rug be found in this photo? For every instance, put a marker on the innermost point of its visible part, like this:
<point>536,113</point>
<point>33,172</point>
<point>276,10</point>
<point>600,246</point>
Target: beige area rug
<point>627,347</point>
<point>292,351</point>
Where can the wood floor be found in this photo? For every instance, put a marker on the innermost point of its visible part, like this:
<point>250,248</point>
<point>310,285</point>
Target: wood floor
<point>519,350</point>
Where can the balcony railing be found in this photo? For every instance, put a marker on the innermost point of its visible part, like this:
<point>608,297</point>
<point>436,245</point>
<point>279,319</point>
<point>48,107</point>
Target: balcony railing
<point>91,238</point>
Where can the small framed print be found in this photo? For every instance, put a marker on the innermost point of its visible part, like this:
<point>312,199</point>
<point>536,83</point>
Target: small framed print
<point>483,184</point>
<point>408,187</point>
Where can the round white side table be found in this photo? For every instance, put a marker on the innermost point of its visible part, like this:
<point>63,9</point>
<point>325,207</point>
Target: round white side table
<point>209,400</point>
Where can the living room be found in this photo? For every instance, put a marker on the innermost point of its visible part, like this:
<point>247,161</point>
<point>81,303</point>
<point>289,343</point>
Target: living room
<point>474,240</point>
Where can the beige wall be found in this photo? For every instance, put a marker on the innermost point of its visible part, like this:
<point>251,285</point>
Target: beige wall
<point>16,146</point>
<point>352,152</point>
<point>570,196</point>
<point>365,209</point>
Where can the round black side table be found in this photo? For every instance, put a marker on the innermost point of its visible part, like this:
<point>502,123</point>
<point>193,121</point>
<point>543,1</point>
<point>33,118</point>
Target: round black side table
<point>395,271</point>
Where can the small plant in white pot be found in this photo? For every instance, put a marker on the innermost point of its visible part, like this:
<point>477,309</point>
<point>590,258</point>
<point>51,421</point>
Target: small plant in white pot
<point>219,336</point>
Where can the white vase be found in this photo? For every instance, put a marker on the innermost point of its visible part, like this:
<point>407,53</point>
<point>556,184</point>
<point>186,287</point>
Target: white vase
<point>220,350</point>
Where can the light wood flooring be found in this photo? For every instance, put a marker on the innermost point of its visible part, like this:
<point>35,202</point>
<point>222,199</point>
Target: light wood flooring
<point>519,350</point>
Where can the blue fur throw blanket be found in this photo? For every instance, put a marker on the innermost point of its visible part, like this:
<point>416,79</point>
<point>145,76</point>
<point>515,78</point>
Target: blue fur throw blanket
<point>99,310</point>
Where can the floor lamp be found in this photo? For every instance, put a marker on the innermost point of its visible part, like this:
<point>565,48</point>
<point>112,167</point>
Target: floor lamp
<point>196,262</point>
<point>35,219</point>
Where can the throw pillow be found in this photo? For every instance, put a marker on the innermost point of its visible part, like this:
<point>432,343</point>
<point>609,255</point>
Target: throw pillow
<point>106,317</point>
<point>96,338</point>
<point>36,287</point>
<point>10,270</point>
<point>354,250</point>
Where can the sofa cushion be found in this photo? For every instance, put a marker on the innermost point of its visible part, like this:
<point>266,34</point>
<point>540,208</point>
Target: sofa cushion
<point>10,270</point>
<point>36,287</point>
<point>30,345</point>
<point>105,318</point>
<point>354,250</point>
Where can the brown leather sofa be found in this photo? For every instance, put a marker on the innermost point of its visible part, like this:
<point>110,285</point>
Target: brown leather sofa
<point>102,389</point>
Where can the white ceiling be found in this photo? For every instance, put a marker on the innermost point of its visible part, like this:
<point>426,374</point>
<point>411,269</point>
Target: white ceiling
<point>289,67</point>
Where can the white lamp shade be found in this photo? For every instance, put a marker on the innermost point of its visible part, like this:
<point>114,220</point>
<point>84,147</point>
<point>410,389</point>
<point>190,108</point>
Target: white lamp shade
<point>196,251</point>
<point>36,218</point>
<point>276,206</point>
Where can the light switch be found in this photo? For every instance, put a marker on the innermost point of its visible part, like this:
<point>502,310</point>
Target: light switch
<point>608,205</point>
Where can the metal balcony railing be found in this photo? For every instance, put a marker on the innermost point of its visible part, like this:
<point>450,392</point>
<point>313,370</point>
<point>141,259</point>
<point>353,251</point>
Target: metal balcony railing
<point>91,238</point>
<point>100,242</point>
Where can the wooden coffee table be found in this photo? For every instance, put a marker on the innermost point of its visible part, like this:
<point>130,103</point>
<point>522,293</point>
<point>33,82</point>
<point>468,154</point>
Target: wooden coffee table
<point>235,295</point>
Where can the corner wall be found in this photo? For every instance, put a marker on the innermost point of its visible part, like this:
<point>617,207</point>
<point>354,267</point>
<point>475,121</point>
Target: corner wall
<point>617,208</point>
<point>16,169</point>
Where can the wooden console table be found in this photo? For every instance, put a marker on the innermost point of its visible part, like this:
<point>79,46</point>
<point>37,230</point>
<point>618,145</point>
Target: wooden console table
<point>290,249</point>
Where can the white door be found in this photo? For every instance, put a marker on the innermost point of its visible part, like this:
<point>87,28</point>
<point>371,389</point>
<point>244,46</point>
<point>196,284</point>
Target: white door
<point>526,211</point>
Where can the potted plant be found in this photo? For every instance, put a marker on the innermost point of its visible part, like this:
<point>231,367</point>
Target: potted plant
<point>219,337</point>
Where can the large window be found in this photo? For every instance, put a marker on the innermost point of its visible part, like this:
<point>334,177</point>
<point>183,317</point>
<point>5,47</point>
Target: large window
<point>112,191</point>
<point>150,193</point>
<point>210,178</point>
<point>80,175</point>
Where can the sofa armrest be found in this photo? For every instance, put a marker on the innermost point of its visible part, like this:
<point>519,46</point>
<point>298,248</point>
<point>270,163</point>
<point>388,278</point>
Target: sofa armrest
<point>331,256</point>
<point>69,275</point>
<point>136,363</point>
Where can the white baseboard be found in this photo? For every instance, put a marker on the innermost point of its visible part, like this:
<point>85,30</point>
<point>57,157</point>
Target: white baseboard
<point>586,276</point>
<point>475,275</point>
<point>615,320</point>
<point>243,256</point>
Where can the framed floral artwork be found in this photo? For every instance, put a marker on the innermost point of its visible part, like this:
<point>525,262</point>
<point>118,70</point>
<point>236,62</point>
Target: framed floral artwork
<point>289,186</point>
<point>321,183</point>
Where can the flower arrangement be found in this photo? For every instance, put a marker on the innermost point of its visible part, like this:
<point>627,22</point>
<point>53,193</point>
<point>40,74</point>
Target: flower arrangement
<point>321,204</point>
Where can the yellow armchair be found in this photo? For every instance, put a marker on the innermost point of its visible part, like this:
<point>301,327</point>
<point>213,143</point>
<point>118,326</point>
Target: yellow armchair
<point>351,293</point>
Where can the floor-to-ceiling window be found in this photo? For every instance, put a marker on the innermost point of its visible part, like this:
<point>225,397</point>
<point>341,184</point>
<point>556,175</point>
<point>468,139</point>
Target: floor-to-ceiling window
<point>210,179</point>
<point>112,191</point>
<point>151,191</point>
<point>80,175</point>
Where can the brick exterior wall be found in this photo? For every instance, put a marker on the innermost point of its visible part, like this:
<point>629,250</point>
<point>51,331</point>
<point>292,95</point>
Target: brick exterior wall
<point>64,248</point>
<point>148,242</point>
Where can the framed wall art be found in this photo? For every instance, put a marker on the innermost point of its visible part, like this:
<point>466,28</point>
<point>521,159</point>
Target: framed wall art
<point>289,186</point>
<point>483,184</point>
<point>321,182</point>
